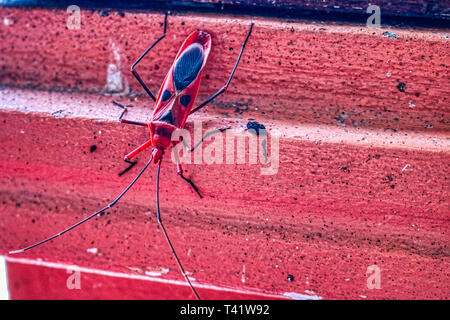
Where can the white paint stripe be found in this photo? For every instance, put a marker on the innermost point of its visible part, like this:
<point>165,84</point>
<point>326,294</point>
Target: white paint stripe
<point>62,266</point>
<point>301,296</point>
<point>4,294</point>
<point>100,109</point>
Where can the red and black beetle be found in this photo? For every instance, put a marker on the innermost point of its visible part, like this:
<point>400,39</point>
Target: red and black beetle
<point>173,105</point>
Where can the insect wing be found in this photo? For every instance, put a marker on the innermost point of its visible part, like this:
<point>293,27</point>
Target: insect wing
<point>180,87</point>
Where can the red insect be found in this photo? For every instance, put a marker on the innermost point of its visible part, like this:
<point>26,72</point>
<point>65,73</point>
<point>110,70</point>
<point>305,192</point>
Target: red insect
<point>173,105</point>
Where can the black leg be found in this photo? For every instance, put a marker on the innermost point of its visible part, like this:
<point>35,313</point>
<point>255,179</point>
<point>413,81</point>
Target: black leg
<point>222,90</point>
<point>180,170</point>
<point>89,217</point>
<point>158,216</point>
<point>134,72</point>
<point>132,163</point>
<point>180,173</point>
<point>200,142</point>
<point>191,183</point>
<point>121,120</point>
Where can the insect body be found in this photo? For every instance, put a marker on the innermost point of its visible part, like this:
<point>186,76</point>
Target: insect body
<point>177,94</point>
<point>173,105</point>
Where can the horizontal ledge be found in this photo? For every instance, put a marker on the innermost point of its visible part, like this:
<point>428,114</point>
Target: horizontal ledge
<point>136,282</point>
<point>100,108</point>
<point>393,13</point>
<point>304,72</point>
<point>330,211</point>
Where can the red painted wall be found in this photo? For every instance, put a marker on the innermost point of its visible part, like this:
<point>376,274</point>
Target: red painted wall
<point>363,165</point>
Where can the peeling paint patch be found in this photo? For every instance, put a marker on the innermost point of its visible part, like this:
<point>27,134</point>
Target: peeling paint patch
<point>404,168</point>
<point>389,34</point>
<point>134,269</point>
<point>92,250</point>
<point>114,80</point>
<point>61,114</point>
<point>156,272</point>
<point>7,22</point>
<point>300,296</point>
<point>153,274</point>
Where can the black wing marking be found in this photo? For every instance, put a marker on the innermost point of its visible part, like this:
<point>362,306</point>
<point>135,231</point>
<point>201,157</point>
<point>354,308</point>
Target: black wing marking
<point>167,117</point>
<point>185,99</point>
<point>187,67</point>
<point>166,95</point>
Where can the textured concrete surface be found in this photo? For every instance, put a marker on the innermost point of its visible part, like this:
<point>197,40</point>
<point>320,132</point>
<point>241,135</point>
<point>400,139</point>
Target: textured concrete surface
<point>345,75</point>
<point>335,207</point>
<point>27,278</point>
<point>309,9</point>
<point>362,116</point>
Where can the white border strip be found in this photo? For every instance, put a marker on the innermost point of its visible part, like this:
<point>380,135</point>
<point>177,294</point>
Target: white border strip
<point>56,265</point>
<point>4,293</point>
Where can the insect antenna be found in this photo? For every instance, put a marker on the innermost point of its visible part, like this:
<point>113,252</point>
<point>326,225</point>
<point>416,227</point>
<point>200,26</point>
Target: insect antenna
<point>167,236</point>
<point>89,217</point>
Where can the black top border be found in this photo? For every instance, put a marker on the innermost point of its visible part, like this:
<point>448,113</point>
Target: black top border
<point>278,11</point>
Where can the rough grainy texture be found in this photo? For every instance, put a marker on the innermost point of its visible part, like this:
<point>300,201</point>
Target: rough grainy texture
<point>362,116</point>
<point>327,9</point>
<point>333,209</point>
<point>61,284</point>
<point>344,75</point>
<point>408,8</point>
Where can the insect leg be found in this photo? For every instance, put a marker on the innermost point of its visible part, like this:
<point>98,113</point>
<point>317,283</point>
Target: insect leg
<point>121,120</point>
<point>180,173</point>
<point>134,72</point>
<point>131,165</point>
<point>158,215</point>
<point>180,169</point>
<point>201,141</point>
<point>222,90</point>
<point>135,152</point>
<point>89,217</point>
<point>188,149</point>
